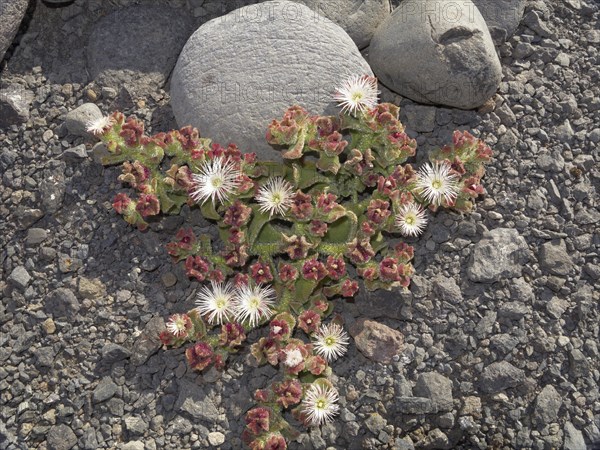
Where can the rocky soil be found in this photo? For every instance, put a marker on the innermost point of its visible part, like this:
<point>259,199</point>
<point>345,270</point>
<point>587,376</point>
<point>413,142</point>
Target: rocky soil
<point>501,325</point>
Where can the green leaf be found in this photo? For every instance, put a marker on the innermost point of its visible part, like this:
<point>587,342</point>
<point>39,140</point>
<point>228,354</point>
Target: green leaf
<point>302,292</point>
<point>329,163</point>
<point>259,220</point>
<point>342,230</point>
<point>209,211</point>
<point>306,175</point>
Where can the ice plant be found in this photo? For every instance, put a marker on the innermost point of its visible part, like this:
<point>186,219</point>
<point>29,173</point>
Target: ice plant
<point>330,341</point>
<point>411,220</point>
<point>320,404</point>
<point>436,183</point>
<point>357,94</point>
<point>216,302</point>
<point>294,236</point>
<point>275,197</point>
<point>217,180</point>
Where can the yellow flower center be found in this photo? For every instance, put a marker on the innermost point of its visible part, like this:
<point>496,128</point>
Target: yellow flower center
<point>329,341</point>
<point>357,96</point>
<point>320,404</point>
<point>276,198</point>
<point>221,303</point>
<point>410,220</point>
<point>436,184</point>
<point>254,302</point>
<point>216,182</point>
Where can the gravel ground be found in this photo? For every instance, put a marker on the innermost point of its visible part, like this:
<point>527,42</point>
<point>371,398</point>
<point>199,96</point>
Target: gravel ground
<point>501,351</point>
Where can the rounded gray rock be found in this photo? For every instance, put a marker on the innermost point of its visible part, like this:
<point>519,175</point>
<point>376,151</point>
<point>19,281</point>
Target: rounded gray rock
<point>502,16</point>
<point>12,12</point>
<point>137,47</point>
<point>78,120</point>
<point>360,18</point>
<point>437,53</point>
<point>234,76</point>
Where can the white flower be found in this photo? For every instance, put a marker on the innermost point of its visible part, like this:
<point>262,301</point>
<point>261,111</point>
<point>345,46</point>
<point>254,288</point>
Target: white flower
<point>436,182</point>
<point>216,301</point>
<point>178,325</point>
<point>319,404</point>
<point>411,220</point>
<point>99,126</point>
<point>293,357</point>
<point>330,341</point>
<point>218,179</point>
<point>358,93</point>
<point>275,197</point>
<point>253,303</point>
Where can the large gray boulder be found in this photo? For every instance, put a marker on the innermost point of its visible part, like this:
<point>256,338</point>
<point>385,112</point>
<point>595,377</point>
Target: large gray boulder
<point>438,52</point>
<point>360,18</point>
<point>137,47</point>
<point>11,14</point>
<point>234,76</point>
<point>502,16</point>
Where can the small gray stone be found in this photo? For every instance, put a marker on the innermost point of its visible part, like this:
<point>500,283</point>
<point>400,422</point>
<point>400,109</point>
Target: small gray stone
<point>15,102</point>
<point>78,120</point>
<point>555,259</point>
<point>61,437</point>
<point>501,253</point>
<point>500,376</point>
<point>61,303</point>
<point>594,135</point>
<point>194,401</point>
<point>133,445</point>
<point>435,439</point>
<point>27,216</point>
<point>503,342</point>
<point>414,405</point>
<point>216,438</point>
<point>437,388</point>
<point>105,389</point>
<point>114,352</point>
<point>557,307</point>
<point>579,365</point>
<point>135,426</point>
<point>75,153</point>
<point>375,423</point>
<point>36,236</point>
<point>44,356</point>
<point>536,24</point>
<point>52,190</point>
<point>19,278</point>
<point>89,440</point>
<point>513,311</point>
<point>376,341</point>
<point>573,438</point>
<point>148,342</point>
<point>547,406</point>
<point>446,289</point>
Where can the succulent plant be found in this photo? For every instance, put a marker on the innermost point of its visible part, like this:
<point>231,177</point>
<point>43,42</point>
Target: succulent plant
<point>294,235</point>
